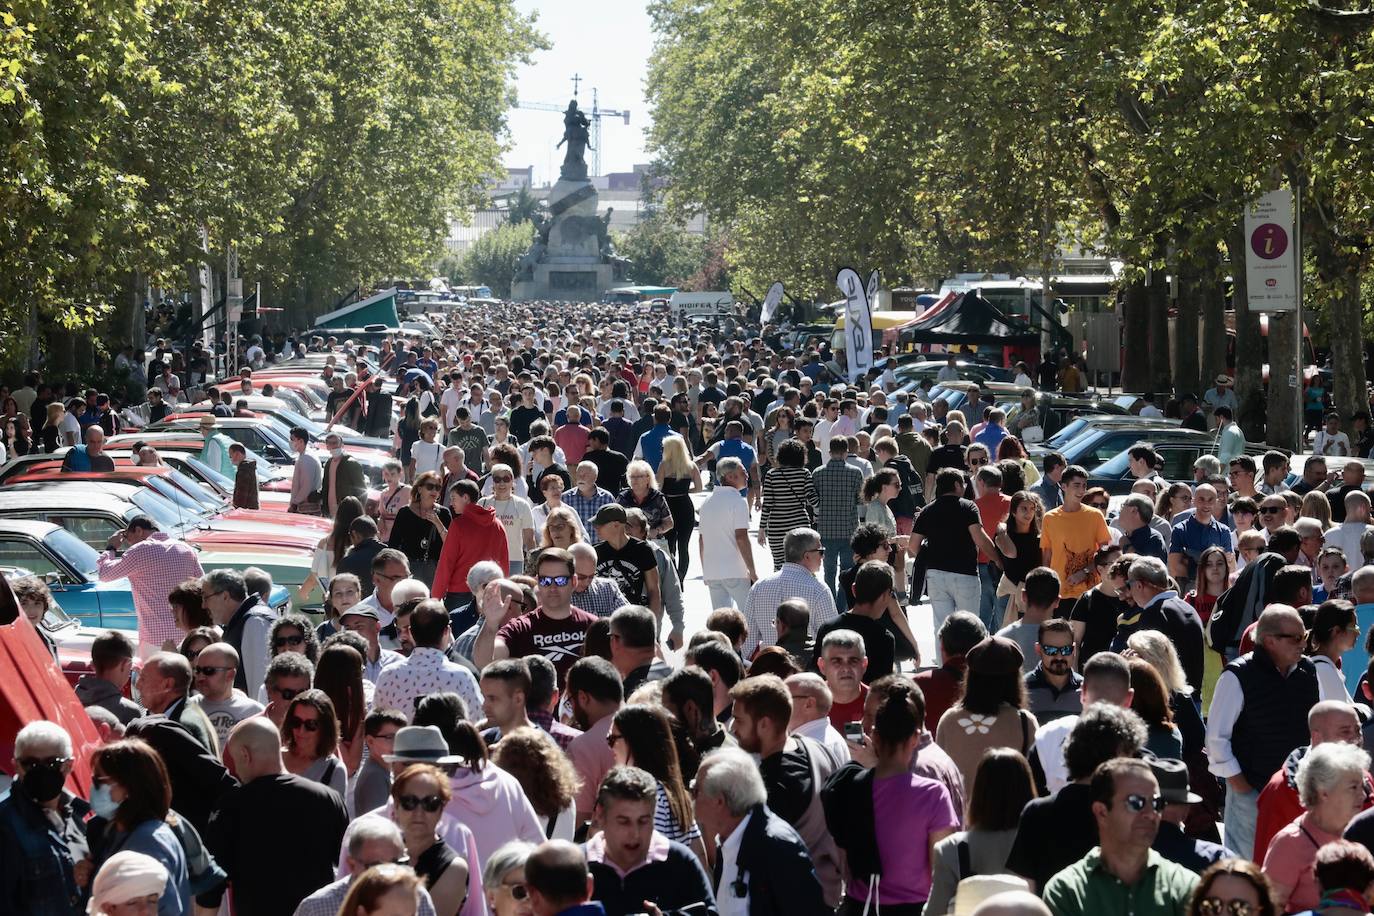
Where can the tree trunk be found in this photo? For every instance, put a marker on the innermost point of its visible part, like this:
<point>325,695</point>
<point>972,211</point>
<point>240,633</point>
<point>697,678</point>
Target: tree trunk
<point>1249,344</point>
<point>1186,330</point>
<point>1285,387</point>
<point>1339,274</point>
<point>1157,302</point>
<point>1213,302</point>
<point>1135,338</point>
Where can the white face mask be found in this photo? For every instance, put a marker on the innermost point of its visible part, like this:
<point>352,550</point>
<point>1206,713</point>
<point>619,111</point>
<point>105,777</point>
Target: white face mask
<point>337,452</point>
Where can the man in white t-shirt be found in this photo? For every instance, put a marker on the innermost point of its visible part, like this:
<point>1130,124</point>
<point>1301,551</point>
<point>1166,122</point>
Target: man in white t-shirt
<point>1330,441</point>
<point>727,557</point>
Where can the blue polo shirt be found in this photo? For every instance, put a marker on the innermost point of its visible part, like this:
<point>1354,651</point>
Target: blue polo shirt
<point>1191,537</point>
<point>651,444</point>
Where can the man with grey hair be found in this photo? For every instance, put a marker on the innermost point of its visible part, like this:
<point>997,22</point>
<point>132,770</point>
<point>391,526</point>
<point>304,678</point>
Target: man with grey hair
<point>588,496</point>
<point>593,593</point>
<point>42,833</point>
<point>1259,715</point>
<point>1162,609</point>
<point>765,868</point>
<point>811,702</point>
<point>727,557</point>
<point>1135,522</point>
<point>369,841</point>
<point>246,621</point>
<point>802,555</point>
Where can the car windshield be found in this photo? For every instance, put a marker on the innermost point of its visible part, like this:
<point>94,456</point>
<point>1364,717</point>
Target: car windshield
<point>1113,467</point>
<point>198,491</point>
<point>77,553</point>
<point>316,430</point>
<point>159,509</point>
<point>183,501</point>
<point>1067,434</point>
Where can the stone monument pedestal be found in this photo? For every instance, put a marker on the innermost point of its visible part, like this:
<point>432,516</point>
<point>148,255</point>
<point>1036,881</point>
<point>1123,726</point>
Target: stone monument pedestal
<point>571,257</point>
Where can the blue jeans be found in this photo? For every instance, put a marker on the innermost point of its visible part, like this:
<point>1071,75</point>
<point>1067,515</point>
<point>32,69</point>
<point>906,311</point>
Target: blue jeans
<point>990,608</point>
<point>838,556</point>
<point>1238,821</point>
<point>950,592</point>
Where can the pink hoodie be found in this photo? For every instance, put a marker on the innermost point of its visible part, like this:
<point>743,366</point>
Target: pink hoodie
<point>492,804</point>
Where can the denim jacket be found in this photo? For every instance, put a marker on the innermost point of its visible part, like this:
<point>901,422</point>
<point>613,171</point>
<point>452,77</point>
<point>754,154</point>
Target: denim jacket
<point>37,859</point>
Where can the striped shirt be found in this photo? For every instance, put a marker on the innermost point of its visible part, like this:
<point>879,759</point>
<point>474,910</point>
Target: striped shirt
<point>666,824</point>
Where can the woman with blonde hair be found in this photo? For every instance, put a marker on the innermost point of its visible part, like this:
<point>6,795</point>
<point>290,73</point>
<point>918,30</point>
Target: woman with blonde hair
<point>678,478</point>
<point>550,781</point>
<point>1316,505</point>
<point>51,433</point>
<point>1154,647</point>
<point>562,527</point>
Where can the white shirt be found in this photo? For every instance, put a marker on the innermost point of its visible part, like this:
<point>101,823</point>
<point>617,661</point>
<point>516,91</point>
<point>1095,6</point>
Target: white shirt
<point>1347,536</point>
<point>947,374</point>
<point>400,686</point>
<point>822,732</point>
<point>722,514</point>
<point>822,435</point>
<point>1150,410</point>
<point>449,402</point>
<point>727,903</point>
<point>1023,381</point>
<point>1330,683</point>
<point>1049,745</point>
<point>1327,444</point>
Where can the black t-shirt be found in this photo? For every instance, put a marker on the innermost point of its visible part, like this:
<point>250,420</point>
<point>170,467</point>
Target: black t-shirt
<point>948,546</point>
<point>610,468</point>
<point>1337,499</point>
<point>879,645</point>
<point>253,856</point>
<point>1054,833</point>
<point>787,776</point>
<point>1098,612</point>
<point>626,567</point>
<point>520,420</point>
<point>947,456</point>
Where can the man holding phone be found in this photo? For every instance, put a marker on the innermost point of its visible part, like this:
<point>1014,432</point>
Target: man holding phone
<point>154,564</point>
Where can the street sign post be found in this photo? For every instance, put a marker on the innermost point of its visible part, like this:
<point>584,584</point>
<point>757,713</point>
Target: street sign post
<point>1271,253</point>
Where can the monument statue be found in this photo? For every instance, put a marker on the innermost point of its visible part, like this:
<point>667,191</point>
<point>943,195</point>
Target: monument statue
<point>571,257</point>
<point>577,135</point>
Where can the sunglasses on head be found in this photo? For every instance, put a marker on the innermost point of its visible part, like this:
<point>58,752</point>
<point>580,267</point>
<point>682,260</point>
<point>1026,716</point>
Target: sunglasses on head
<point>558,581</point>
<point>1056,651</point>
<point>310,725</point>
<point>281,641</point>
<point>431,803</point>
<point>1137,803</point>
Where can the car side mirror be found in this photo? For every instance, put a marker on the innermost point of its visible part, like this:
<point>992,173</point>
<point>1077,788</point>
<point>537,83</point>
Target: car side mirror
<point>53,578</point>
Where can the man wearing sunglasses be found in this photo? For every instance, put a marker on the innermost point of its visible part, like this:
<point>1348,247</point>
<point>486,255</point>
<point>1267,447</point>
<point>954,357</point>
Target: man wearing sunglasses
<point>1052,687</point>
<point>1259,715</point>
<point>1123,874</point>
<point>42,837</point>
<point>555,629</point>
<point>225,707</point>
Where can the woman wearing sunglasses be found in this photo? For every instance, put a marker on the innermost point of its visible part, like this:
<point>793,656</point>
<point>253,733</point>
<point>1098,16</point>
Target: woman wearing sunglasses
<point>419,796</point>
<point>503,880</point>
<point>1233,887</point>
<point>310,736</point>
<point>421,527</point>
<point>132,800</point>
<point>1331,787</point>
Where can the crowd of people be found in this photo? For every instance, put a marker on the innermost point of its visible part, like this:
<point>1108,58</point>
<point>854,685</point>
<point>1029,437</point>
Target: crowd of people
<point>520,701</point>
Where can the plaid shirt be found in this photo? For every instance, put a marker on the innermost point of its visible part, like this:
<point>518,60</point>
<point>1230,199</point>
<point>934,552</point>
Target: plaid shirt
<point>586,506</point>
<point>601,598</point>
<point>560,733</point>
<point>837,491</point>
<point>328,900</point>
<point>792,581</point>
<point>154,567</point>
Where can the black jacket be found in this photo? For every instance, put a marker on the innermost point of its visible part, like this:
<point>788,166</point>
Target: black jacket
<point>678,881</point>
<point>358,561</point>
<point>197,777</point>
<point>1241,604</point>
<point>378,420</point>
<point>776,865</point>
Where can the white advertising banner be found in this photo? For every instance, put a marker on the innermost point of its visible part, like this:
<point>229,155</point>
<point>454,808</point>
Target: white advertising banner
<point>858,319</point>
<point>1271,256</point>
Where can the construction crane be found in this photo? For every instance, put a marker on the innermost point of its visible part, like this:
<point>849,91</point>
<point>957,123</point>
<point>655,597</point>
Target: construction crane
<point>595,116</point>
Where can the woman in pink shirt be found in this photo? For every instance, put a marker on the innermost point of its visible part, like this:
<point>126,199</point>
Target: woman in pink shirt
<point>1331,787</point>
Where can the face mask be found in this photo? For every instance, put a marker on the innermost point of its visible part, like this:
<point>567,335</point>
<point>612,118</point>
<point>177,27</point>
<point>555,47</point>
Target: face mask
<point>102,803</point>
<point>43,783</point>
<point>336,452</point>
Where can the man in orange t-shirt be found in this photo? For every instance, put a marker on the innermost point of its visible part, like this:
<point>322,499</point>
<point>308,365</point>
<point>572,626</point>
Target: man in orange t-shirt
<point>1071,535</point>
